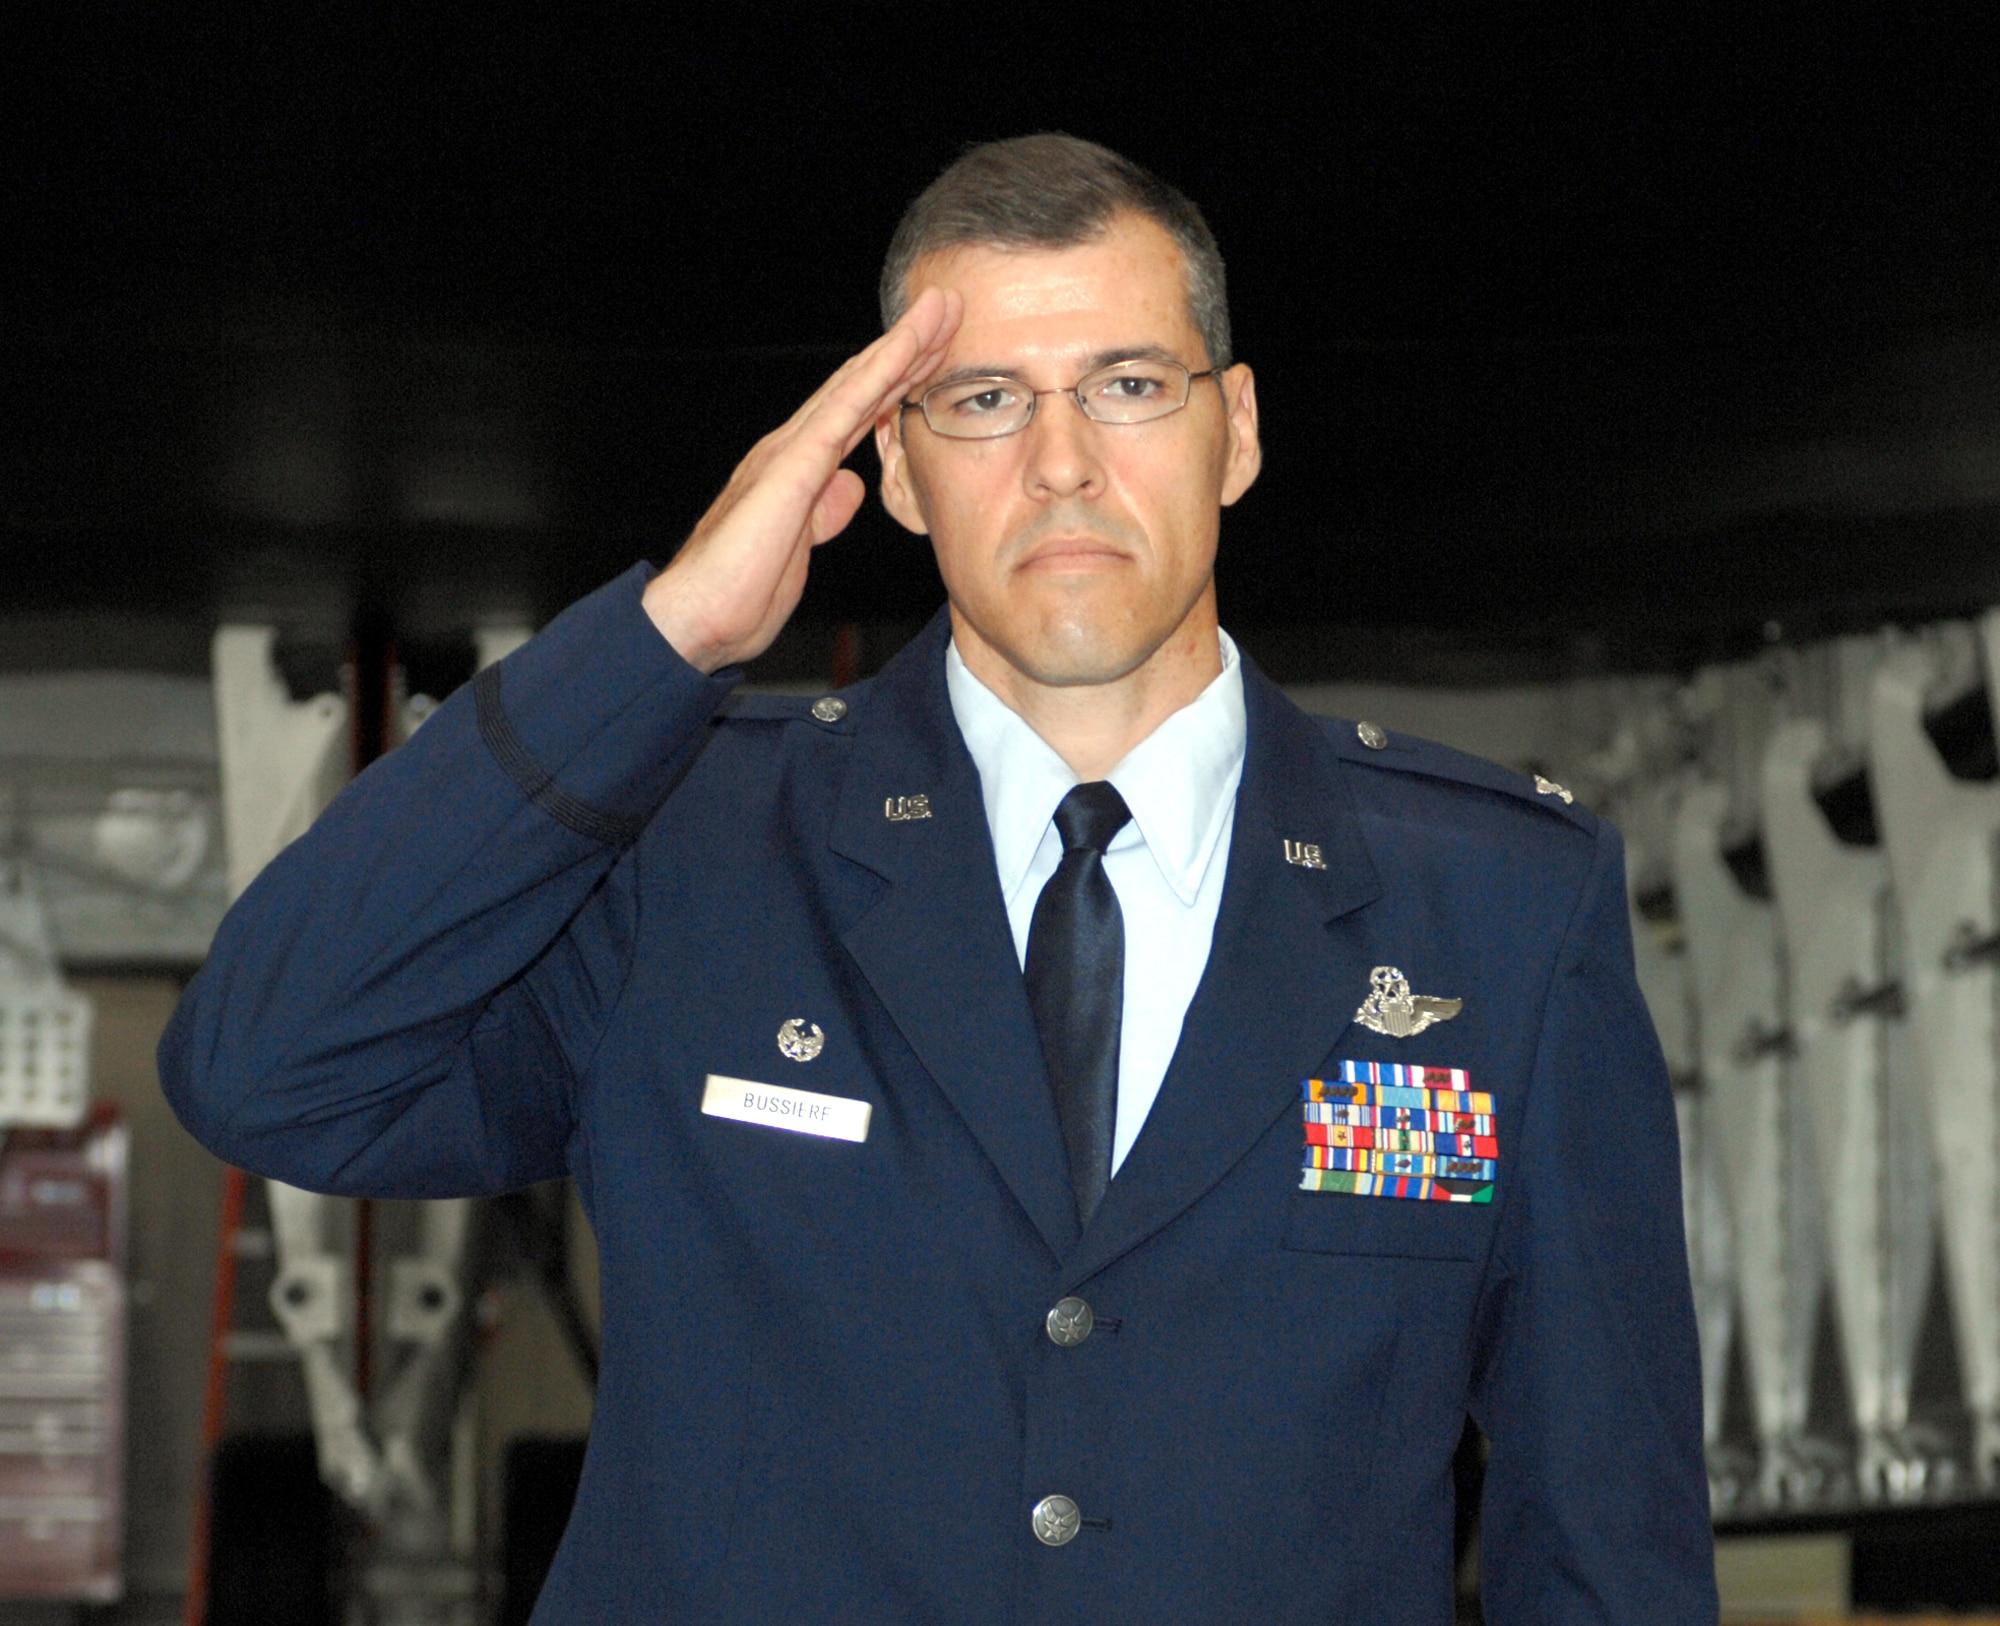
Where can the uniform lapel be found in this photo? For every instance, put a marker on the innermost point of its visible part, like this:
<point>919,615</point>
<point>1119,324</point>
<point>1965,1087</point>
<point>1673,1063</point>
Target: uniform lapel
<point>1284,977</point>
<point>936,946</point>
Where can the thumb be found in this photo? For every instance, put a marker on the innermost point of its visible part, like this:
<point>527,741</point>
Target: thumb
<point>838,502</point>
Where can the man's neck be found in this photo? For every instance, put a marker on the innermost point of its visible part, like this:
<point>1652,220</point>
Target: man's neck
<point>1094,726</point>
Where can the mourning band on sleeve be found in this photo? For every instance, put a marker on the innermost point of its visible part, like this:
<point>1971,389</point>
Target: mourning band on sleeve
<point>536,783</point>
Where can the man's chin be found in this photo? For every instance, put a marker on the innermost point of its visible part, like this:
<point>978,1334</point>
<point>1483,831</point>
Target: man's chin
<point>1071,639</point>
<point>1079,655</point>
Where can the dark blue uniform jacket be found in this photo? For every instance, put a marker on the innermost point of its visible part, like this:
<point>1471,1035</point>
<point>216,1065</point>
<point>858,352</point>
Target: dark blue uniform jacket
<point>515,948</point>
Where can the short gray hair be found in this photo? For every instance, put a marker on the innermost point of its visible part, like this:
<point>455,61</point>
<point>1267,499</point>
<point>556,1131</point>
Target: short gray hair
<point>1054,191</point>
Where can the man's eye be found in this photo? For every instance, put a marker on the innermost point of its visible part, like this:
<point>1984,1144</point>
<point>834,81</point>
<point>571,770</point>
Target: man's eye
<point>1131,386</point>
<point>981,403</point>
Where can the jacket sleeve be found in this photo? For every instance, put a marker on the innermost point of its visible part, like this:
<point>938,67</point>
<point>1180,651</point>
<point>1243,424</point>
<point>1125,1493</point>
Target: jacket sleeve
<point>395,1006</point>
<point>1588,1380</point>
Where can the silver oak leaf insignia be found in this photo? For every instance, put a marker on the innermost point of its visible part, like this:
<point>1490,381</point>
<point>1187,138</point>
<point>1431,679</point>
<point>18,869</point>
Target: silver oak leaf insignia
<point>1392,1009</point>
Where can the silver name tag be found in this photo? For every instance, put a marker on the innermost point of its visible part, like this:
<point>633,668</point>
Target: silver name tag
<point>803,1111</point>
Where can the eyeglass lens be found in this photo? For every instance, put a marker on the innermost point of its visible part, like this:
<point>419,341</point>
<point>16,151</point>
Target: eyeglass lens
<point>1125,392</point>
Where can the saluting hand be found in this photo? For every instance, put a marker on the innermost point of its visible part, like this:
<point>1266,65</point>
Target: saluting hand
<point>738,577</point>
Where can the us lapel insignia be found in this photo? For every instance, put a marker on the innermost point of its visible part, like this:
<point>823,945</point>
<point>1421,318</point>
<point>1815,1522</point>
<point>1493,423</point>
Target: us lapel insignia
<point>1392,1009</point>
<point>1385,1130</point>
<point>1306,854</point>
<point>902,809</point>
<point>800,1040</point>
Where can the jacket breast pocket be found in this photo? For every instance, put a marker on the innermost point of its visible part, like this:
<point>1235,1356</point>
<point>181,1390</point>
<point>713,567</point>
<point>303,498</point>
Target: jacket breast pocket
<point>1332,1222</point>
<point>1398,1161</point>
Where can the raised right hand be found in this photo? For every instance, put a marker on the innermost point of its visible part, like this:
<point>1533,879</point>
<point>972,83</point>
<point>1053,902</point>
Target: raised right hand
<point>738,577</point>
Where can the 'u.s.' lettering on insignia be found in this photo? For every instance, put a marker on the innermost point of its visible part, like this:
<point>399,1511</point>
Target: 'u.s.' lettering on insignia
<point>902,809</point>
<point>1305,854</point>
<point>1392,1009</point>
<point>1385,1130</point>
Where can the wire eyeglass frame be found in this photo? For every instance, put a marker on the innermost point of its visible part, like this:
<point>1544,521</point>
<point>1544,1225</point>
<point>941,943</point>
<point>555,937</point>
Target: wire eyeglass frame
<point>1076,392</point>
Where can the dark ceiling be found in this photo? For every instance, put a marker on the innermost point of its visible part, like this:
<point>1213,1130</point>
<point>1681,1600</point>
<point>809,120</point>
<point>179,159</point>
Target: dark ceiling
<point>1643,326</point>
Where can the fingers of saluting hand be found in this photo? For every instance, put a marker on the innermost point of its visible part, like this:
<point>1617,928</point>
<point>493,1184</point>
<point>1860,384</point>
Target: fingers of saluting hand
<point>790,470</point>
<point>739,575</point>
<point>873,381</point>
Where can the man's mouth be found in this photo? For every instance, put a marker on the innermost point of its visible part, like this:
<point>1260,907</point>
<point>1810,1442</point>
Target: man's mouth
<point>1081,551</point>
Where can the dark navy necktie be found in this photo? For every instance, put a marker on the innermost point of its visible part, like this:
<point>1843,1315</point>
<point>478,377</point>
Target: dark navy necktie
<point>1076,985</point>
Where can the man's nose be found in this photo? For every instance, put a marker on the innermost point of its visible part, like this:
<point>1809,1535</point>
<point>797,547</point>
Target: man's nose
<point>1063,454</point>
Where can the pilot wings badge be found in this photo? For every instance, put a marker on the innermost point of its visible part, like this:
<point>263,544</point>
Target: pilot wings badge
<point>1392,1009</point>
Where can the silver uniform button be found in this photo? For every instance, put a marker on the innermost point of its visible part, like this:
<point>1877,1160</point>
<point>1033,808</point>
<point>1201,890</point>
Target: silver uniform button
<point>1057,1520</point>
<point>1372,736</point>
<point>1069,1323</point>
<point>830,708</point>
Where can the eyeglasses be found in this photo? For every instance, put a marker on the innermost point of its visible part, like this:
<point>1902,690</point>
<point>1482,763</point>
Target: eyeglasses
<point>1124,392</point>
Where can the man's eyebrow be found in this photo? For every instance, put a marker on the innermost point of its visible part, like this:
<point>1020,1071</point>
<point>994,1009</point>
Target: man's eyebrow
<point>1133,352</point>
<point>1101,358</point>
<point>959,375</point>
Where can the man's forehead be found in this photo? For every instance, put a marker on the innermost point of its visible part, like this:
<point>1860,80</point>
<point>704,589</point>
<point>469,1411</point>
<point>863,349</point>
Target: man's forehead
<point>1131,266</point>
<point>1038,290</point>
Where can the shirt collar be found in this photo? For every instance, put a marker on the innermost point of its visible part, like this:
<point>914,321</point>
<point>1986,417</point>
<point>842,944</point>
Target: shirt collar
<point>1180,781</point>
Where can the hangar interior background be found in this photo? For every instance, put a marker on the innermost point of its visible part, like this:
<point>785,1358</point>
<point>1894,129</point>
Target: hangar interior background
<point>1631,385</point>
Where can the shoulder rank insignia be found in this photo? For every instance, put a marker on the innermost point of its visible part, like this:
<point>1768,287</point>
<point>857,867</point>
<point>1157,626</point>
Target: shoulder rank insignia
<point>1548,787</point>
<point>1392,1009</point>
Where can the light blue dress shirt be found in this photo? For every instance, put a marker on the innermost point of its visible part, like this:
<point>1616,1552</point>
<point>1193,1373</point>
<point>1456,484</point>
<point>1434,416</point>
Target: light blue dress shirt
<point>1167,866</point>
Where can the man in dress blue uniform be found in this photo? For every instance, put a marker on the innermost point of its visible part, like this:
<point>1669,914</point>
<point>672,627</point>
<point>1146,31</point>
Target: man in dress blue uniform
<point>1069,1136</point>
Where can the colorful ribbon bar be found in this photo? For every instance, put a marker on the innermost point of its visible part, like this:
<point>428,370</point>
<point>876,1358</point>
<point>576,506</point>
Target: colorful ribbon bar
<point>1384,1129</point>
<point>1450,1092</point>
<point>1365,1160</point>
<point>1407,1187</point>
<point>1401,1140</point>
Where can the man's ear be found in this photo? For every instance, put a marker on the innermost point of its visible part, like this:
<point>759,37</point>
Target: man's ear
<point>1246,451</point>
<point>899,492</point>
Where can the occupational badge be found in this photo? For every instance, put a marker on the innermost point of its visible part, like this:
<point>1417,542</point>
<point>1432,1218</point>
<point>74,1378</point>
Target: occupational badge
<point>1381,1129</point>
<point>800,1040</point>
<point>1392,1009</point>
